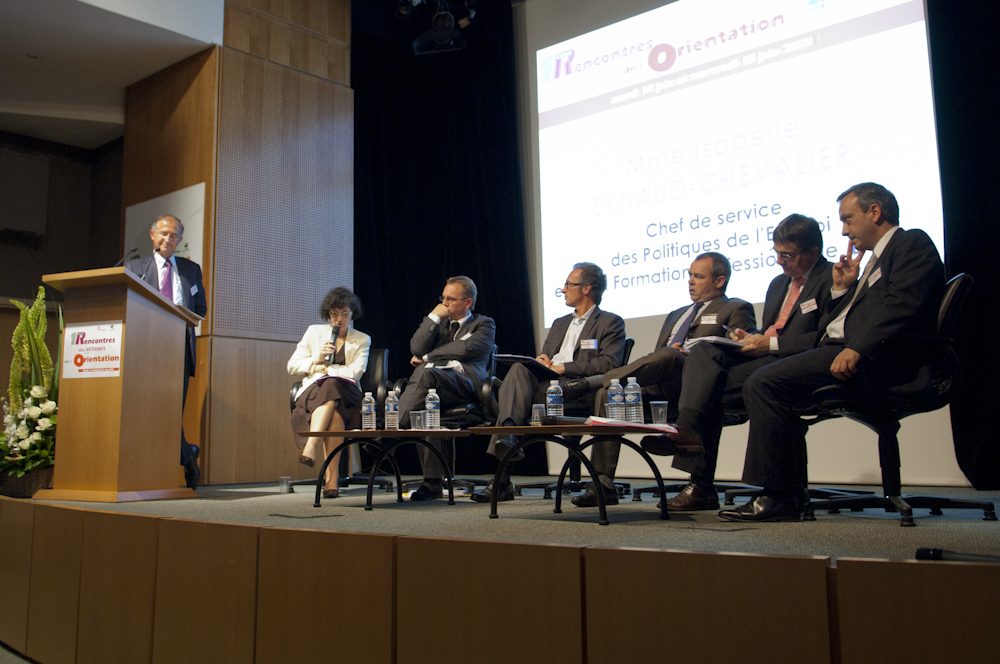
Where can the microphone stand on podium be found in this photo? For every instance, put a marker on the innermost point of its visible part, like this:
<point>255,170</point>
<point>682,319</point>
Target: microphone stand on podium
<point>120,390</point>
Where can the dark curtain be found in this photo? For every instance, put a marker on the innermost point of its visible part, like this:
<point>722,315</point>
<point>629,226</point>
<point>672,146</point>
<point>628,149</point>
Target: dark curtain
<point>437,182</point>
<point>965,52</point>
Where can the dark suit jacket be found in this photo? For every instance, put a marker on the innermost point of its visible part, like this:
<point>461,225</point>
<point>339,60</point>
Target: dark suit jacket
<point>904,300</point>
<point>472,348</point>
<point>732,313</point>
<point>192,294</point>
<point>609,331</point>
<point>802,330</point>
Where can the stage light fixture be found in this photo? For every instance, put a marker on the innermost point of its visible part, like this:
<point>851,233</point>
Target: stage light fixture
<point>445,32</point>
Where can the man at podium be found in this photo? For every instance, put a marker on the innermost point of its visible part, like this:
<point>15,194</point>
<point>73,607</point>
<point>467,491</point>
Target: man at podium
<point>178,280</point>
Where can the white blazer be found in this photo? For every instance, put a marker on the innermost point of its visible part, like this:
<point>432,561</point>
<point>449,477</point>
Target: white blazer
<point>309,351</point>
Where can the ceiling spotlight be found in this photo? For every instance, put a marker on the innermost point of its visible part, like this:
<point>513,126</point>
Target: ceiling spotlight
<point>443,35</point>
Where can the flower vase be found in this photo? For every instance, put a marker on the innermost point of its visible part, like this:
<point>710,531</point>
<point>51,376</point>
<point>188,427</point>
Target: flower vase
<point>26,486</point>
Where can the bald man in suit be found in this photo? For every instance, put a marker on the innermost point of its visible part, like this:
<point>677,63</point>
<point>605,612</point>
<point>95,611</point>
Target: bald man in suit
<point>179,280</point>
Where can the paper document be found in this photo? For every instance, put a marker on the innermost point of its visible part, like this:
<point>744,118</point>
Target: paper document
<point>606,421</point>
<point>719,341</point>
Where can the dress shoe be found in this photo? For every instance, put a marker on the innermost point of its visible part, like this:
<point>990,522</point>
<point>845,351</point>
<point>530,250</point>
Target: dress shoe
<point>427,491</point>
<point>306,461</point>
<point>192,473</point>
<point>504,491</point>
<point>575,389</point>
<point>589,497</point>
<point>693,498</point>
<point>765,508</point>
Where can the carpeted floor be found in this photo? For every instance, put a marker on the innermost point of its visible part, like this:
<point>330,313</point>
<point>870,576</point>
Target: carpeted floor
<point>530,519</point>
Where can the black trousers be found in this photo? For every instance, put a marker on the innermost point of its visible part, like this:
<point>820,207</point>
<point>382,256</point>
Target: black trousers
<point>713,376</point>
<point>776,449</point>
<point>453,387</point>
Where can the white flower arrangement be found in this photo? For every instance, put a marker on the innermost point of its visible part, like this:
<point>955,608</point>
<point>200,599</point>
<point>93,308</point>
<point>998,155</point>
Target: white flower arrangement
<point>28,440</point>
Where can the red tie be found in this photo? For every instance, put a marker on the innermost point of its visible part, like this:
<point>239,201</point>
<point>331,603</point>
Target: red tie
<point>794,289</point>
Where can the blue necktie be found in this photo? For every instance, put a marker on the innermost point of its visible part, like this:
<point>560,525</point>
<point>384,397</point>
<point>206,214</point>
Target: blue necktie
<point>682,331</point>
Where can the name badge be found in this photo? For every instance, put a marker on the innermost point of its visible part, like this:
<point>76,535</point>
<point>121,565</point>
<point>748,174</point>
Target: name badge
<point>194,290</point>
<point>465,336</point>
<point>874,276</point>
<point>808,305</point>
<point>709,319</point>
<point>588,344</point>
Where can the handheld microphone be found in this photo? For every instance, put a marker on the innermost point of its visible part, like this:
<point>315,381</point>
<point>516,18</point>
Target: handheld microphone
<point>333,339</point>
<point>128,253</point>
<point>944,554</point>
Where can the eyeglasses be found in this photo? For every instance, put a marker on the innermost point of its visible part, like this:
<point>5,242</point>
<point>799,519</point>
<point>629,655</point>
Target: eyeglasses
<point>572,284</point>
<point>343,314</point>
<point>787,255</point>
<point>447,299</point>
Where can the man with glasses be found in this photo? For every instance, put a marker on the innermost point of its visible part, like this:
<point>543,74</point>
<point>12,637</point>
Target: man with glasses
<point>451,351</point>
<point>659,373</point>
<point>712,374</point>
<point>586,342</point>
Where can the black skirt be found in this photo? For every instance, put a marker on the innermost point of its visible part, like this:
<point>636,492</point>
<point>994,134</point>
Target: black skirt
<point>345,395</point>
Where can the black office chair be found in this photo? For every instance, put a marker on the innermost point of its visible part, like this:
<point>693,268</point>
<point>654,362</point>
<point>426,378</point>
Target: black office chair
<point>373,380</point>
<point>477,412</point>
<point>880,407</point>
<point>576,483</point>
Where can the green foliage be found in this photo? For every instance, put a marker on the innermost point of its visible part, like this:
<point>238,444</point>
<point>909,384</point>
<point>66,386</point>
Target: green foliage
<point>32,362</point>
<point>28,439</point>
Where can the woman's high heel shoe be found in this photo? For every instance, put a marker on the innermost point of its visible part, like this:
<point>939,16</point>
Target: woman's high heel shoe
<point>307,461</point>
<point>331,493</point>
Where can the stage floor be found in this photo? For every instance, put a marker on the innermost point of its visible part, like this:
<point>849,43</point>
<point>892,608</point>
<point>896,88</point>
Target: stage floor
<point>530,519</point>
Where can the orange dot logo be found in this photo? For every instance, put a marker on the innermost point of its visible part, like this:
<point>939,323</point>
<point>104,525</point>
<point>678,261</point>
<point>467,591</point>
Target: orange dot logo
<point>78,360</point>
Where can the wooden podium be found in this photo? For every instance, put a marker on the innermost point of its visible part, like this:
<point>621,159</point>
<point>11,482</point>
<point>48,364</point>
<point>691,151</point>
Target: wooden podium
<point>118,436</point>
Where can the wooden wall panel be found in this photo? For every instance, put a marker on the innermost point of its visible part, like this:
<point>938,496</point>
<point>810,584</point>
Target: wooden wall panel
<point>56,551</point>
<point>170,141</point>
<point>284,227</point>
<point>206,583</point>
<point>488,601</point>
<point>312,36</point>
<point>659,606</point>
<point>250,430</point>
<point>909,611</point>
<point>17,519</point>
<point>325,596</point>
<point>117,587</point>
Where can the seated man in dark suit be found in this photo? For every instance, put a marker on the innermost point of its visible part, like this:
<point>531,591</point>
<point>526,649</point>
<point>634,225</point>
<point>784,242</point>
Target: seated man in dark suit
<point>898,293</point>
<point>451,351</point>
<point>179,280</point>
<point>659,373</point>
<point>794,303</point>
<point>586,342</point>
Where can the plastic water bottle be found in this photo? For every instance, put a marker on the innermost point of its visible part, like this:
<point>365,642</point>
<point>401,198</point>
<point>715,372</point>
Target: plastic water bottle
<point>616,400</point>
<point>633,401</point>
<point>432,404</point>
<point>368,412</point>
<point>554,399</point>
<point>391,412</point>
